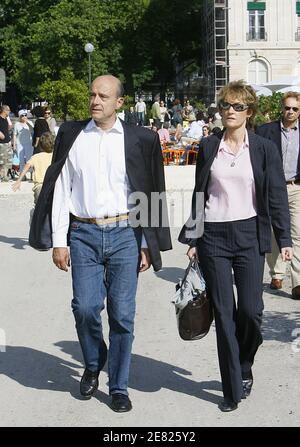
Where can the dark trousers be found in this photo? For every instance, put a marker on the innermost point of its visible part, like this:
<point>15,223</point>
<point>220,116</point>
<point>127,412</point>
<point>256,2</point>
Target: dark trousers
<point>223,248</point>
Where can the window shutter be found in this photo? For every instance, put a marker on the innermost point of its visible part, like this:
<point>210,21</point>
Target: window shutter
<point>297,7</point>
<point>254,6</point>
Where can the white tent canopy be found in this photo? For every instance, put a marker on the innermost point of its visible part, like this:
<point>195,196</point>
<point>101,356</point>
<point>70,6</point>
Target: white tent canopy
<point>260,90</point>
<point>293,88</point>
<point>289,82</point>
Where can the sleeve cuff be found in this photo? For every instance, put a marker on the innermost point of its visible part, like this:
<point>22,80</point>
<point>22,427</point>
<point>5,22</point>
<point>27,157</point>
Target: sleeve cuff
<point>59,240</point>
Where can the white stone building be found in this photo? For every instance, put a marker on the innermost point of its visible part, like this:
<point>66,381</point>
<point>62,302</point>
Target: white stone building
<point>258,41</point>
<point>263,39</point>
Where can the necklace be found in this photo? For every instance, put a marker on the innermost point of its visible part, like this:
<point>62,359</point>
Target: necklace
<point>232,164</point>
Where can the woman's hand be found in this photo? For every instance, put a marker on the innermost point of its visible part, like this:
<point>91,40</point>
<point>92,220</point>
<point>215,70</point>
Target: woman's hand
<point>286,253</point>
<point>192,253</point>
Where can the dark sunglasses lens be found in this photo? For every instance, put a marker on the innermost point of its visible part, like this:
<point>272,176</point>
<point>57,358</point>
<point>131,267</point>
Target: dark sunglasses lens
<point>225,105</point>
<point>295,109</point>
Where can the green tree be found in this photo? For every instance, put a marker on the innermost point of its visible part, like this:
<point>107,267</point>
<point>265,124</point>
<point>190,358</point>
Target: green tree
<point>269,104</point>
<point>68,97</point>
<point>137,40</point>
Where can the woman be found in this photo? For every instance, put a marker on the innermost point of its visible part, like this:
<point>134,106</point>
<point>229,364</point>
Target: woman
<point>22,138</point>
<point>163,112</point>
<point>40,126</point>
<point>205,131</point>
<point>241,182</point>
<point>177,113</point>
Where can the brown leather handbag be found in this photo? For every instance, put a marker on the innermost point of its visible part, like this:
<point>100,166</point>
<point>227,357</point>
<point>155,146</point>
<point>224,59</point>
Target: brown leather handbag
<point>193,305</point>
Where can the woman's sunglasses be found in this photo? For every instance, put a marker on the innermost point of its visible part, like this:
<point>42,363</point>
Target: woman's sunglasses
<point>236,106</point>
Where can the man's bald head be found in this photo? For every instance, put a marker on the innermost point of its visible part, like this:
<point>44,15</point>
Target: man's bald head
<point>106,97</point>
<point>119,89</point>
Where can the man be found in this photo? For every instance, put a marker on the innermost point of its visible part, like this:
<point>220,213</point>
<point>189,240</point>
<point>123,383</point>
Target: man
<point>140,109</point>
<point>155,112</point>
<point>96,166</point>
<point>285,133</point>
<point>5,145</point>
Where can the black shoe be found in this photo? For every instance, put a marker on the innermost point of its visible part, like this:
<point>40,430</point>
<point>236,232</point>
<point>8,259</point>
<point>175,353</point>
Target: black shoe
<point>228,405</point>
<point>90,380</point>
<point>247,386</point>
<point>120,403</point>
<point>89,383</point>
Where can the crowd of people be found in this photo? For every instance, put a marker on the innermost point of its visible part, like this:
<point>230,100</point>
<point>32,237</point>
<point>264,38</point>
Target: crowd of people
<point>178,127</point>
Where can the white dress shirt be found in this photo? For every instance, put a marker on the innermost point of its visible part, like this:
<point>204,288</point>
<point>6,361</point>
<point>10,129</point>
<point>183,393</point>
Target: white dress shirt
<point>93,181</point>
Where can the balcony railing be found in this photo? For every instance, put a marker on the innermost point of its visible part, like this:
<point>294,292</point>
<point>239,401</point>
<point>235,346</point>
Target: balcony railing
<point>257,35</point>
<point>297,34</point>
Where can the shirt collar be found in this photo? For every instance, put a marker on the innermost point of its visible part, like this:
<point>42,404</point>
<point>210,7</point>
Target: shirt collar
<point>223,146</point>
<point>287,130</point>
<point>117,127</point>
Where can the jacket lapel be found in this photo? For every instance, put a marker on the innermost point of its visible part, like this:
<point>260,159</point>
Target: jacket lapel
<point>209,152</point>
<point>133,159</point>
<point>258,162</point>
<point>276,136</point>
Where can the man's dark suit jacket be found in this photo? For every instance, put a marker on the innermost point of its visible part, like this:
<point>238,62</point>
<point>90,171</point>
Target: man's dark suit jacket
<point>270,186</point>
<point>144,167</point>
<point>272,131</point>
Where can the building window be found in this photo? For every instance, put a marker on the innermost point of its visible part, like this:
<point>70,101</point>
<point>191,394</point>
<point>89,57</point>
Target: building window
<point>256,13</point>
<point>257,72</point>
<point>297,34</point>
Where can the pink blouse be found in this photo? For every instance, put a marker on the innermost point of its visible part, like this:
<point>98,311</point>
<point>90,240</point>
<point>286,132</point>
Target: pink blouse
<point>231,188</point>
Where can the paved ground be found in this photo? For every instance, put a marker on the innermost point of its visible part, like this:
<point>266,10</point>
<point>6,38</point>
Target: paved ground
<point>173,383</point>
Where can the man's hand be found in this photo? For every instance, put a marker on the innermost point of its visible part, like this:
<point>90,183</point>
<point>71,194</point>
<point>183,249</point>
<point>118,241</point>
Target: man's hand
<point>286,253</point>
<point>145,260</point>
<point>61,258</point>
<point>192,253</point>
<point>2,136</point>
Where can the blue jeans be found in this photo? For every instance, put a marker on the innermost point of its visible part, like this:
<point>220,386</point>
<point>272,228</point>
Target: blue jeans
<point>141,118</point>
<point>105,263</point>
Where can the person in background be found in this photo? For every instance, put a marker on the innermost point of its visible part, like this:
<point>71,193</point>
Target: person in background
<point>131,117</point>
<point>40,126</point>
<point>140,108</point>
<point>22,138</point>
<point>217,121</point>
<point>177,113</point>
<point>155,112</point>
<point>6,152</point>
<point>205,131</point>
<point>285,133</point>
<point>239,193</point>
<point>164,134</point>
<point>50,120</point>
<point>163,111</point>
<point>39,163</point>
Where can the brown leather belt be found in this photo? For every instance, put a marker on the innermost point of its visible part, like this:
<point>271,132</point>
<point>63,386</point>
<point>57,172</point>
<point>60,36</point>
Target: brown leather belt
<point>293,182</point>
<point>103,221</point>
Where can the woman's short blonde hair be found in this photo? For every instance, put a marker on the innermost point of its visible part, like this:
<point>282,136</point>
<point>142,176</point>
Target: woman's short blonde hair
<point>243,92</point>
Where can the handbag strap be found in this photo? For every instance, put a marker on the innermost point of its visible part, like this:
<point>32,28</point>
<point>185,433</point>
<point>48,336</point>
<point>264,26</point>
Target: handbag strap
<point>187,270</point>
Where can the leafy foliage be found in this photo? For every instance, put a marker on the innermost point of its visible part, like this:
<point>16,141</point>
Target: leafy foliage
<point>67,97</point>
<point>137,40</point>
<point>270,105</point>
